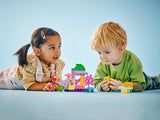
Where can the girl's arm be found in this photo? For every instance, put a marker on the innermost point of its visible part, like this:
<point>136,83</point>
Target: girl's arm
<point>45,87</point>
<point>37,87</point>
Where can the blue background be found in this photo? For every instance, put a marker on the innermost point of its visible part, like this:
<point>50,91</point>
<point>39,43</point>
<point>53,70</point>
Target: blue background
<point>76,21</point>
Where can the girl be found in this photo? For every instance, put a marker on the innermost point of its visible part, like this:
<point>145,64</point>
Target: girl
<point>35,70</point>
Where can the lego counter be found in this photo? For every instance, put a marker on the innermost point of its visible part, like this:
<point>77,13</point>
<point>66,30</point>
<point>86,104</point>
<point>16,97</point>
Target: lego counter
<point>39,105</point>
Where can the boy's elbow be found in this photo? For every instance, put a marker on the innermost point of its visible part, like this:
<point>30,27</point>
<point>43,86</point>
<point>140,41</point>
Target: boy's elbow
<point>138,90</point>
<point>138,87</point>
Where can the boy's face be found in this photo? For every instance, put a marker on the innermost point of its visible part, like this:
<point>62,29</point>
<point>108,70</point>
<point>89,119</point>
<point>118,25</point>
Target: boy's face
<point>111,55</point>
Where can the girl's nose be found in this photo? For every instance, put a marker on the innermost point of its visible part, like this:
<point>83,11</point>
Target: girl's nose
<point>57,51</point>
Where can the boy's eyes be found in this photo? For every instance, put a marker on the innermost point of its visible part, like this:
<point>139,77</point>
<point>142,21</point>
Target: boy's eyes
<point>104,52</point>
<point>99,52</point>
<point>107,52</point>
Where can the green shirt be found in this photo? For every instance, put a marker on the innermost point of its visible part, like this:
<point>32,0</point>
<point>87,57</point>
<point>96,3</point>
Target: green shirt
<point>129,70</point>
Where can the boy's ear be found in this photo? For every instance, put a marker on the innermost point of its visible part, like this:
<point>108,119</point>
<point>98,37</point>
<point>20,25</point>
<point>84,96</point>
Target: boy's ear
<point>36,51</point>
<point>123,48</point>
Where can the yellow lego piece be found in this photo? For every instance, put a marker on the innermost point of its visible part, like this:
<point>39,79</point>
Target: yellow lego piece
<point>107,78</point>
<point>125,90</point>
<point>70,87</point>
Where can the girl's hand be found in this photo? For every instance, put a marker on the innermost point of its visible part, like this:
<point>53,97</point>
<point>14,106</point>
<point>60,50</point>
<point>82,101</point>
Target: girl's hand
<point>49,87</point>
<point>105,86</point>
<point>115,84</point>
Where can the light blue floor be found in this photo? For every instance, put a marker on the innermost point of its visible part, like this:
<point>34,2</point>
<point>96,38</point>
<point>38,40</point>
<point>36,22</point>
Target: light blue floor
<point>37,105</point>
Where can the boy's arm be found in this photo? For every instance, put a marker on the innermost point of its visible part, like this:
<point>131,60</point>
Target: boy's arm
<point>138,87</point>
<point>136,76</point>
<point>100,73</point>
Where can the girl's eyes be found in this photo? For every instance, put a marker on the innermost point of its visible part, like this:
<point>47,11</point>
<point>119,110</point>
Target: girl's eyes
<point>59,46</point>
<point>52,48</point>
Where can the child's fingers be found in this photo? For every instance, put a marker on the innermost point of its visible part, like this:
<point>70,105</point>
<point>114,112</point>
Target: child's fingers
<point>48,87</point>
<point>112,87</point>
<point>112,80</point>
<point>103,82</point>
<point>115,88</point>
<point>105,86</point>
<point>53,88</point>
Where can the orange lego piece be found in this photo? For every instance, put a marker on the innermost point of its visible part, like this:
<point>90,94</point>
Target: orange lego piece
<point>128,84</point>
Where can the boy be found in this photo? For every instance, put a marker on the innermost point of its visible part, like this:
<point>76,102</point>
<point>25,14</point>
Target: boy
<point>121,65</point>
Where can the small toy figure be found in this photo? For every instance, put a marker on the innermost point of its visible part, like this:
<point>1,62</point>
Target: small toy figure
<point>55,85</point>
<point>70,82</point>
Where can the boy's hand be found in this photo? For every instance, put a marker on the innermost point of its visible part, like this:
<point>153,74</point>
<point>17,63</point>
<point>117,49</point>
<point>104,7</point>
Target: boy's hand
<point>105,86</point>
<point>115,84</point>
<point>49,87</point>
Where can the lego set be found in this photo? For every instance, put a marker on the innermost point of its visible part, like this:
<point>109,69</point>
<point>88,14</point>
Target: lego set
<point>80,81</point>
<point>72,84</point>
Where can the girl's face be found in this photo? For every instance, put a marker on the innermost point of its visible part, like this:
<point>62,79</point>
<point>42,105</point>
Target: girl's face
<point>50,51</point>
<point>111,55</point>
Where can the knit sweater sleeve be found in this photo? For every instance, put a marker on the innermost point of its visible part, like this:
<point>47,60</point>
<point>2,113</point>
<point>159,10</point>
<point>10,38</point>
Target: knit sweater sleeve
<point>136,74</point>
<point>99,75</point>
<point>138,87</point>
<point>27,73</point>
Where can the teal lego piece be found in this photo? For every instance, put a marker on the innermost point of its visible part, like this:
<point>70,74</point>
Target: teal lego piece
<point>90,89</point>
<point>78,67</point>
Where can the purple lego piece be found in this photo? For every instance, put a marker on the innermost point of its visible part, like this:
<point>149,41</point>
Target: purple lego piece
<point>64,83</point>
<point>84,90</point>
<point>79,72</point>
